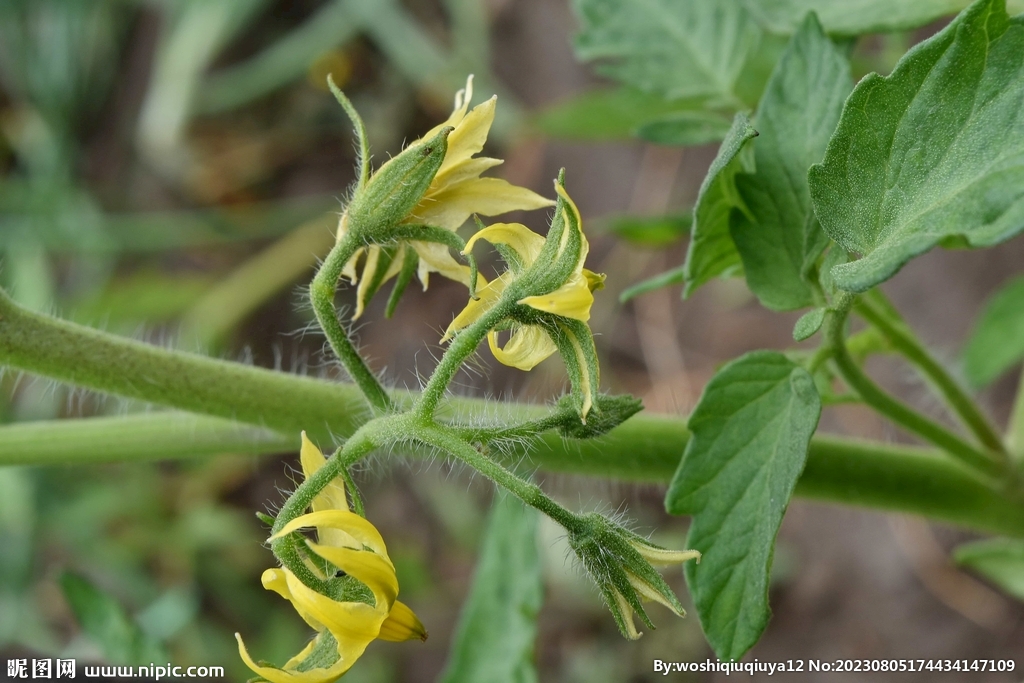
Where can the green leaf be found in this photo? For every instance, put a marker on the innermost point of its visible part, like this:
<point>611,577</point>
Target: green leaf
<point>933,151</point>
<point>1000,560</point>
<point>712,251</point>
<point>107,624</point>
<point>494,641</point>
<point>685,128</point>
<point>779,238</point>
<point>997,342</point>
<point>606,114</point>
<point>809,323</point>
<point>751,430</point>
<point>677,48</point>
<point>852,17</point>
<point>651,231</point>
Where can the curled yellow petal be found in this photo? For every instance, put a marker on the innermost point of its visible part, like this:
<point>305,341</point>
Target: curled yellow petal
<point>525,242</point>
<point>487,297</point>
<point>402,624</point>
<point>627,616</point>
<point>275,675</point>
<point>648,593</point>
<point>374,570</point>
<point>333,495</point>
<point>571,300</point>
<point>354,624</point>
<point>662,557</point>
<point>352,524</point>
<point>528,346</point>
<point>276,580</point>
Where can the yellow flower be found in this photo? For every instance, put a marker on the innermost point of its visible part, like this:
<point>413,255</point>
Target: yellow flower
<point>530,344</point>
<point>354,548</point>
<point>456,192</point>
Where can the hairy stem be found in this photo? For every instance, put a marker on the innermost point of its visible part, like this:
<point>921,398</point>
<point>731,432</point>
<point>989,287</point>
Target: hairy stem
<point>463,346</point>
<point>321,293</point>
<point>892,408</point>
<point>646,448</point>
<point>448,442</point>
<point>906,343</point>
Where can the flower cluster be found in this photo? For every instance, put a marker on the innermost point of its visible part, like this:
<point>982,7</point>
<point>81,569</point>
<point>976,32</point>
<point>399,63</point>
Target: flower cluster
<point>545,297</point>
<point>357,598</point>
<point>434,183</point>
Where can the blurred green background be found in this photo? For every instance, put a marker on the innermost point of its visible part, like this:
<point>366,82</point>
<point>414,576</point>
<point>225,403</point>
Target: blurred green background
<point>170,170</point>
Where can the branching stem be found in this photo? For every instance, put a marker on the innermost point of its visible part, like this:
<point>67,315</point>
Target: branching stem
<point>892,408</point>
<point>903,339</point>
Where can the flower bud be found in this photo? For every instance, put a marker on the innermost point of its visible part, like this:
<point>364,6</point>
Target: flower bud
<point>396,188</point>
<point>620,562</point>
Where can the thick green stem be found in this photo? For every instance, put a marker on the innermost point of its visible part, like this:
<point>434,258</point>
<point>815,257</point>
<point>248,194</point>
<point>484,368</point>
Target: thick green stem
<point>463,346</point>
<point>448,442</point>
<point>892,408</point>
<point>644,449</point>
<point>321,294</point>
<point>905,342</point>
<point>104,362</point>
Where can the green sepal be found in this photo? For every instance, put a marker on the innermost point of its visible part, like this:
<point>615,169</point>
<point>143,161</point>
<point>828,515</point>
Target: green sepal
<point>552,269</point>
<point>575,344</point>
<point>410,263</point>
<point>609,412</point>
<point>396,188</point>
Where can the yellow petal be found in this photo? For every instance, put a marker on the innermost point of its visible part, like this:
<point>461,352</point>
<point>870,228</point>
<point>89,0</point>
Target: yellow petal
<point>351,269</point>
<point>464,170</point>
<point>469,136</point>
<point>275,675</point>
<point>402,624</point>
<point>373,253</point>
<point>528,346</point>
<point>525,242</point>
<point>487,297</point>
<point>648,593</point>
<point>449,206</point>
<point>332,497</point>
<point>662,557</point>
<point>435,258</point>
<point>374,570</point>
<point>354,624</point>
<point>276,580</point>
<point>358,528</point>
<point>627,616</point>
<point>571,300</point>
<point>595,281</point>
<point>462,100</point>
<point>301,657</point>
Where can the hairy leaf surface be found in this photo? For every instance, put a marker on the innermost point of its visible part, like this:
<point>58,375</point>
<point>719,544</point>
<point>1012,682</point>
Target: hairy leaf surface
<point>677,48</point>
<point>933,153</point>
<point>712,252</point>
<point>751,430</point>
<point>778,237</point>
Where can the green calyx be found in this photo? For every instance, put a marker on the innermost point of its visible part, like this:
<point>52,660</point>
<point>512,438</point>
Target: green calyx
<point>391,193</point>
<point>617,560</point>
